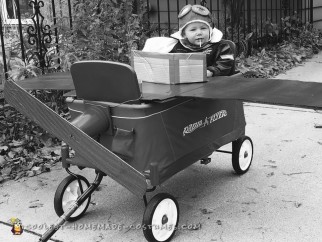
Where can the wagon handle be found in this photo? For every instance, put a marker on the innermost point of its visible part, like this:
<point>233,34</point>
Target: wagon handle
<point>62,219</point>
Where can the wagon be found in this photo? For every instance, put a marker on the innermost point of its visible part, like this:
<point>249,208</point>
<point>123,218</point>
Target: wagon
<point>140,136</point>
<point>142,142</point>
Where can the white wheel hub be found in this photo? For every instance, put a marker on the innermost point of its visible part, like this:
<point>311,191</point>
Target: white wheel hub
<point>164,219</point>
<point>72,192</point>
<point>245,154</point>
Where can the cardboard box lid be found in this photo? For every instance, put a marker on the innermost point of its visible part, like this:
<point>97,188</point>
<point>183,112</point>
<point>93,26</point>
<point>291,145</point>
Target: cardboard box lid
<point>169,68</point>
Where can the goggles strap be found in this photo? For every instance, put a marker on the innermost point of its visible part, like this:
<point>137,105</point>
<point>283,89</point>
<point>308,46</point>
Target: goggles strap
<point>198,9</point>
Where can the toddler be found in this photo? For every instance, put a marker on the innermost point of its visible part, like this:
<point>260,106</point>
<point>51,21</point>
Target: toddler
<point>196,35</point>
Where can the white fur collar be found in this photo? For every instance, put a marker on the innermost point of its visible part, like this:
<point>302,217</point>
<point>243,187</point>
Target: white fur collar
<point>215,35</point>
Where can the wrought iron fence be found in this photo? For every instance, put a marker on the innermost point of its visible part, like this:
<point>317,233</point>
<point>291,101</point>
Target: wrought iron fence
<point>236,19</point>
<point>29,32</point>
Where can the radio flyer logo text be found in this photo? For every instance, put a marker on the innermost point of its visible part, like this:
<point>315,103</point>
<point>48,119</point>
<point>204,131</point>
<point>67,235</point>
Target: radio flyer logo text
<point>202,123</point>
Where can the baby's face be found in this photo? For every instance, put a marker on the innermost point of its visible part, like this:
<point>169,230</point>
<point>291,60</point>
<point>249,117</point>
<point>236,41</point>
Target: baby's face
<point>197,33</point>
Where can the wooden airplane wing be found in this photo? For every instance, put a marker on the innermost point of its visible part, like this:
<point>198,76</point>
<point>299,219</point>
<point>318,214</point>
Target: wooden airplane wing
<point>84,145</point>
<point>258,90</point>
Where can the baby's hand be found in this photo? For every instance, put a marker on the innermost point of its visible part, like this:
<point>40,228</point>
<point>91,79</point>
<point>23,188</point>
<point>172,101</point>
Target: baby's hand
<point>209,73</point>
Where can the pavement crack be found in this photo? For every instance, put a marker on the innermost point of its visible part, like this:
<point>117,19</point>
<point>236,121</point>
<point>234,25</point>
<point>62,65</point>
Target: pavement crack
<point>270,166</point>
<point>248,203</point>
<point>295,203</point>
<point>297,173</point>
<point>272,161</point>
<point>220,237</point>
<point>287,140</point>
<point>253,189</point>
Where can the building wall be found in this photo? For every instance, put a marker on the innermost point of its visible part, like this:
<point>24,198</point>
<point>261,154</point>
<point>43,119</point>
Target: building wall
<point>317,14</point>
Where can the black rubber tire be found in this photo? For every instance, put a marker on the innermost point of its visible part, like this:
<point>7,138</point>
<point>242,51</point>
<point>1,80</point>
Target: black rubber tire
<point>148,216</point>
<point>237,144</point>
<point>58,203</point>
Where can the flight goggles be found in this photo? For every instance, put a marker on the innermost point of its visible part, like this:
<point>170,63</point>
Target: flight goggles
<point>198,9</point>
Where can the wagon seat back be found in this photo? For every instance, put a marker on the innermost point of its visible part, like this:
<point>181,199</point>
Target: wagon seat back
<point>234,49</point>
<point>105,81</point>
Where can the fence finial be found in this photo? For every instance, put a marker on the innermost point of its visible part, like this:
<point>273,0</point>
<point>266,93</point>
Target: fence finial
<point>203,3</point>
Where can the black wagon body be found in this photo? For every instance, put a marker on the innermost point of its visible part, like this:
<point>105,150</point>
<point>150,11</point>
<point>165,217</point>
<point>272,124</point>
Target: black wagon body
<point>160,139</point>
<point>137,137</point>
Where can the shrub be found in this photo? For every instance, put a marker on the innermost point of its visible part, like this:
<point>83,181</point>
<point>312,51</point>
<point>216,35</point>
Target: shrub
<point>103,30</point>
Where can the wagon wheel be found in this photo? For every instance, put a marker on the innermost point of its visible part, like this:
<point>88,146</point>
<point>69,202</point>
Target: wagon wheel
<point>161,217</point>
<point>67,193</point>
<point>242,154</point>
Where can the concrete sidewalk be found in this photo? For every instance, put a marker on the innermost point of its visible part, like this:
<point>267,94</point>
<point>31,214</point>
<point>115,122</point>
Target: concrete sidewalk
<point>310,71</point>
<point>279,198</point>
